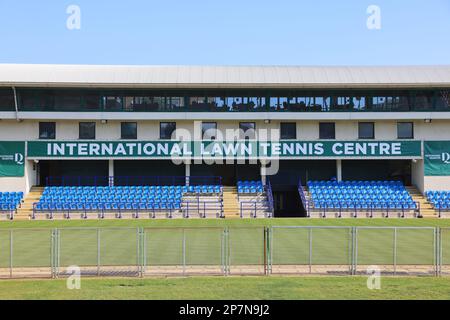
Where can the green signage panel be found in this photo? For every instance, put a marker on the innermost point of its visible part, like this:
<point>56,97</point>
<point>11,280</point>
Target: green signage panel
<point>12,158</point>
<point>223,149</point>
<point>437,158</point>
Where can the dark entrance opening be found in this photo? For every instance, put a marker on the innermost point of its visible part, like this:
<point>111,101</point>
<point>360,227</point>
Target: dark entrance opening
<point>230,173</point>
<point>287,202</point>
<point>72,168</point>
<point>365,170</point>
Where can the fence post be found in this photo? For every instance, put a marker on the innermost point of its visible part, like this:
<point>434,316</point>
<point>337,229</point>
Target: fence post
<point>184,251</point>
<point>310,248</point>
<point>11,253</point>
<point>355,250</point>
<point>436,250</point>
<point>395,251</point>
<point>98,251</point>
<point>228,250</point>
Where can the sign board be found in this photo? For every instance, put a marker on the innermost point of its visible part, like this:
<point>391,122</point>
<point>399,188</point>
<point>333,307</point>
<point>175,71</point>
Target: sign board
<point>437,158</point>
<point>12,158</point>
<point>223,149</point>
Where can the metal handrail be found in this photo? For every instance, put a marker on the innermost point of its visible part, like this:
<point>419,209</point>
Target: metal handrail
<point>132,180</point>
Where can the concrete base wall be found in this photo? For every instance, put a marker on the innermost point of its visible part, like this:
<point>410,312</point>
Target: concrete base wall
<point>438,183</point>
<point>417,178</point>
<point>16,184</point>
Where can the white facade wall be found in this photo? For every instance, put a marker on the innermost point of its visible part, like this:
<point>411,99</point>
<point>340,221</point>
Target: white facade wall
<point>149,130</point>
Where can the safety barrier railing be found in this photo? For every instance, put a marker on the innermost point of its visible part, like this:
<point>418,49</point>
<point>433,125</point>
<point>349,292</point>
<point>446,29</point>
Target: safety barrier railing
<point>202,208</point>
<point>301,193</point>
<point>137,209</point>
<point>137,252</point>
<point>252,208</point>
<point>132,180</point>
<point>268,189</point>
<point>355,208</point>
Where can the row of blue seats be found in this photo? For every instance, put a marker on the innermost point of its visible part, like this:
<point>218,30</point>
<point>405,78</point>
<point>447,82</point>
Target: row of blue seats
<point>354,183</point>
<point>250,189</point>
<point>358,191</point>
<point>405,197</point>
<point>365,205</point>
<point>11,194</point>
<point>8,207</point>
<point>438,195</point>
<point>66,206</point>
<point>442,205</point>
<point>135,189</point>
<point>249,183</point>
<point>439,199</point>
<point>249,186</point>
<point>9,201</point>
<point>131,198</point>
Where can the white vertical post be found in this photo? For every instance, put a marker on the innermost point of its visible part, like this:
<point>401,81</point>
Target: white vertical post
<point>111,171</point>
<point>263,173</point>
<point>339,170</point>
<point>187,171</point>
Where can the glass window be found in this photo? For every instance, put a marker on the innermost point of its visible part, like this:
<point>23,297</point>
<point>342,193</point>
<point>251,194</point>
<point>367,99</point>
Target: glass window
<point>92,101</point>
<point>288,130</point>
<point>128,130</point>
<point>209,130</point>
<point>113,103</point>
<point>47,130</point>
<point>87,130</point>
<point>405,130</point>
<point>166,129</point>
<point>327,130</point>
<point>247,130</point>
<point>7,99</point>
<point>366,130</point>
<point>67,100</point>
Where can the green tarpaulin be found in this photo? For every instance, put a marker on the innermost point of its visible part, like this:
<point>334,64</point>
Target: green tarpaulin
<point>12,158</point>
<point>437,158</point>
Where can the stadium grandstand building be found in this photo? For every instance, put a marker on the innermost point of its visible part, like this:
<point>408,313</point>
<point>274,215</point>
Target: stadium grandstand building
<point>267,141</point>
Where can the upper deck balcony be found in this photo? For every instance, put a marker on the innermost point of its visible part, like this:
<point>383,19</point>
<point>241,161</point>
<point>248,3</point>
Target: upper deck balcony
<point>95,100</point>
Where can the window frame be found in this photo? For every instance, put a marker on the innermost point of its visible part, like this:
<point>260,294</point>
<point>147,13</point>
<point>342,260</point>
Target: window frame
<point>160,129</point>
<point>241,130</point>
<point>281,130</point>
<point>373,130</point>
<point>412,130</point>
<point>47,123</point>
<point>214,137</point>
<point>134,137</point>
<point>79,130</point>
<point>334,130</point>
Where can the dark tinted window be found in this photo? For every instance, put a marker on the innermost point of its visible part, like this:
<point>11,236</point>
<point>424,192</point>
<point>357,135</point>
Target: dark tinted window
<point>166,129</point>
<point>405,130</point>
<point>209,130</point>
<point>366,130</point>
<point>327,130</point>
<point>128,130</point>
<point>87,130</point>
<point>248,130</point>
<point>7,99</point>
<point>47,130</point>
<point>288,130</point>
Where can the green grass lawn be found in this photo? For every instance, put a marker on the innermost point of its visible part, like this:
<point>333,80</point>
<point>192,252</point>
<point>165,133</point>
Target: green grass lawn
<point>236,288</point>
<point>430,222</point>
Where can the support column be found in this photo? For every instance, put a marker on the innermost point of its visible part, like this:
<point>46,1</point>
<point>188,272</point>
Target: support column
<point>111,172</point>
<point>263,173</point>
<point>339,170</point>
<point>187,171</point>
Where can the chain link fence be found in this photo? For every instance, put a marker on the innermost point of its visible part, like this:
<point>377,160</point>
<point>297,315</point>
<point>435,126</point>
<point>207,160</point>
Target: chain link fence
<point>224,251</point>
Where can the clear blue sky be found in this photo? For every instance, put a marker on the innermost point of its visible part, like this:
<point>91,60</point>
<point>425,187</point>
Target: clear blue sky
<point>229,32</point>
